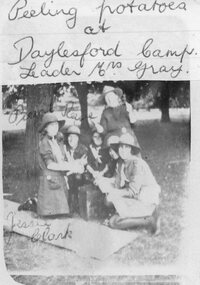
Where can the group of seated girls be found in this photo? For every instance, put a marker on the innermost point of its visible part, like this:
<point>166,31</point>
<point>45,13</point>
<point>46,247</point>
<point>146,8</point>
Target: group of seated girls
<point>112,162</point>
<point>66,164</point>
<point>117,169</point>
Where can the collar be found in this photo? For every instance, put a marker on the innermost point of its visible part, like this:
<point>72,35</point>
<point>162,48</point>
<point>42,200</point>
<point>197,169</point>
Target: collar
<point>51,138</point>
<point>93,146</point>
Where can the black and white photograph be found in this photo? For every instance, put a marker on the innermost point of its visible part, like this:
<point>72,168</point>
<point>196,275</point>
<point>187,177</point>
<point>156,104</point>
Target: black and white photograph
<point>100,142</point>
<point>95,175</point>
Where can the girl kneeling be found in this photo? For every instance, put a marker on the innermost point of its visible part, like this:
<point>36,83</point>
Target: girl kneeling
<point>133,191</point>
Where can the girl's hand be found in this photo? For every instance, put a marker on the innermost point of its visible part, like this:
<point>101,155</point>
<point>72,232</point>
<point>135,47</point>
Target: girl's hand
<point>113,154</point>
<point>99,128</point>
<point>131,112</point>
<point>97,181</point>
<point>75,167</point>
<point>79,168</point>
<point>97,174</point>
<point>83,160</point>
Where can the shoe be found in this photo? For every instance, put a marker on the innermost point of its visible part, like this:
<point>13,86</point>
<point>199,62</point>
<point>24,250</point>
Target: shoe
<point>106,223</point>
<point>29,205</point>
<point>75,215</point>
<point>154,224</point>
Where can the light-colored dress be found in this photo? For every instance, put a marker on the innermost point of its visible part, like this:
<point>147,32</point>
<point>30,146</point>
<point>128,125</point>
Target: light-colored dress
<point>135,177</point>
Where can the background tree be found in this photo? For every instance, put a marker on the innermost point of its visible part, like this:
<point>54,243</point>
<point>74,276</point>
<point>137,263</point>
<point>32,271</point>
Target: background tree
<point>39,101</point>
<point>158,94</point>
<point>12,93</point>
<point>82,92</point>
<point>153,94</point>
<point>170,94</point>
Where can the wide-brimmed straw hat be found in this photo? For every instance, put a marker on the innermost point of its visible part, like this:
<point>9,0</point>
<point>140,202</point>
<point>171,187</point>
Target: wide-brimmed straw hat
<point>71,130</point>
<point>108,89</point>
<point>116,90</point>
<point>113,140</point>
<point>49,118</point>
<point>129,139</point>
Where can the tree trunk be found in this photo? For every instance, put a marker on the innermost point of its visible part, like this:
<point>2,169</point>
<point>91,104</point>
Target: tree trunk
<point>164,102</point>
<point>82,91</point>
<point>39,101</point>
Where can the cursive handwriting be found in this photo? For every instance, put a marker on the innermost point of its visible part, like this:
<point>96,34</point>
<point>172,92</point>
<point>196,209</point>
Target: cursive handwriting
<point>19,114</point>
<point>32,71</point>
<point>20,110</point>
<point>20,11</point>
<point>69,112</point>
<point>27,50</point>
<point>102,67</point>
<point>19,224</point>
<point>89,30</point>
<point>148,51</point>
<point>130,7</point>
<point>48,235</point>
<point>141,68</point>
<point>61,60</point>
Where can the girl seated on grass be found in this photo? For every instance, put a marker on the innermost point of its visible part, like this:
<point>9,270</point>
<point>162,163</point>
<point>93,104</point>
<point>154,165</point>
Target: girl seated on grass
<point>76,154</point>
<point>96,164</point>
<point>133,190</point>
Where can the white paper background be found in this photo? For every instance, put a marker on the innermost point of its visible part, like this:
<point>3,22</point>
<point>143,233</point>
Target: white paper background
<point>170,30</point>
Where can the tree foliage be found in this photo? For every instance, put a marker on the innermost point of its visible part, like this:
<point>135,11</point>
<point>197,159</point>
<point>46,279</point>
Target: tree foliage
<point>40,99</point>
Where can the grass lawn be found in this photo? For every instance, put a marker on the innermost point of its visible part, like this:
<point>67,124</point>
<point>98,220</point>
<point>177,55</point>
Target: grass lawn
<point>166,149</point>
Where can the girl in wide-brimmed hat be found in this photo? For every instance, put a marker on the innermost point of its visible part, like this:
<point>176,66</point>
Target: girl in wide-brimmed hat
<point>97,162</point>
<point>76,153</point>
<point>117,114</point>
<point>133,191</point>
<point>73,148</point>
<point>53,189</point>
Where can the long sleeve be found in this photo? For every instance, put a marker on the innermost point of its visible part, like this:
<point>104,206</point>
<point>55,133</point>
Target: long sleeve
<point>117,176</point>
<point>46,152</point>
<point>135,175</point>
<point>131,113</point>
<point>103,122</point>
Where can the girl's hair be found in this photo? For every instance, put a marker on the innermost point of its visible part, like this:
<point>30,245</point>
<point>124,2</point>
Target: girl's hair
<point>95,132</point>
<point>60,137</point>
<point>44,131</point>
<point>43,134</point>
<point>134,150</point>
<point>114,147</point>
<point>123,98</point>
